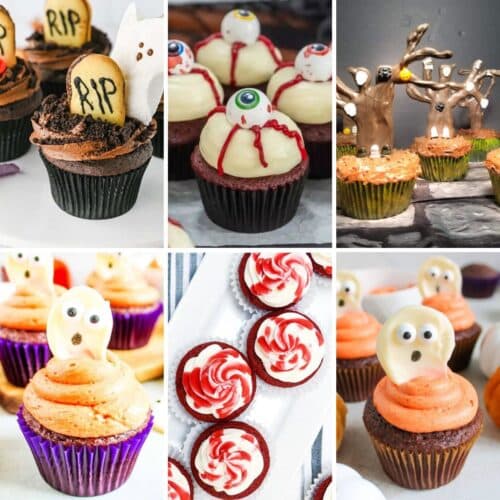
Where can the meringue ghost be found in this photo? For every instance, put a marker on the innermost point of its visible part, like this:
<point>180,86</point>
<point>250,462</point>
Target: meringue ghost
<point>79,325</point>
<point>417,341</point>
<point>35,269</point>
<point>438,275</point>
<point>240,25</point>
<point>348,292</point>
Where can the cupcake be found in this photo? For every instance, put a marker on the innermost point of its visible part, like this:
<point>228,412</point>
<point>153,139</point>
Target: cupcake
<point>274,281</point>
<point>250,164</point>
<point>84,416</point>
<point>324,490</point>
<point>492,397</point>
<point>303,91</point>
<point>180,484</point>
<point>483,141</point>
<point>177,236</point>
<point>341,417</point>
<point>135,304</point>
<point>23,316</point>
<point>230,461</point>
<point>492,163</point>
<point>239,55</point>
<point>20,94</point>
<point>322,263</point>
<point>440,284</point>
<point>423,419</point>
<point>358,368</point>
<point>350,484</point>
<point>193,92</point>
<point>158,139</point>
<point>214,382</point>
<point>285,348</point>
<point>479,281</point>
<point>376,188</point>
<point>95,140</point>
<point>489,351</point>
<point>65,34</point>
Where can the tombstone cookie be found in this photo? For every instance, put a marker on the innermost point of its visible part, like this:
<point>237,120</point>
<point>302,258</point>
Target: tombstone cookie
<point>7,39</point>
<point>96,87</point>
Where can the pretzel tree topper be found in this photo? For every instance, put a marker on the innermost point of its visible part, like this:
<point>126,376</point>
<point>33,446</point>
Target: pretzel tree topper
<point>371,106</point>
<point>443,102</point>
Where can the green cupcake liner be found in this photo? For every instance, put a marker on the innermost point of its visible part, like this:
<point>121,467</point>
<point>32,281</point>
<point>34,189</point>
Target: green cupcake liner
<point>374,201</point>
<point>481,147</point>
<point>444,168</point>
<point>495,181</point>
<point>344,150</point>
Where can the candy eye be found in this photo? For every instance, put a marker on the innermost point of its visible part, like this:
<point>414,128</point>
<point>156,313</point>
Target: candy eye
<point>19,256</point>
<point>248,107</point>
<point>180,58</point>
<point>241,26</point>
<point>72,311</point>
<point>314,62</point>
<point>244,15</point>
<point>349,287</point>
<point>247,99</point>
<point>448,276</point>
<point>93,319</point>
<point>428,333</point>
<point>175,48</point>
<point>434,272</point>
<point>406,333</point>
<point>317,49</point>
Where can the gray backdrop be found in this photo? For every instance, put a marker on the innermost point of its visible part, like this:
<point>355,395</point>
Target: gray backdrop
<point>373,32</point>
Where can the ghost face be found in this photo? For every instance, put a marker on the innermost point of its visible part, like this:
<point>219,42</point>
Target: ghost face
<point>348,293</point>
<point>240,25</point>
<point>79,325</point>
<point>314,62</point>
<point>110,265</point>
<point>180,58</point>
<point>248,108</point>
<point>416,342</point>
<point>31,269</point>
<point>439,275</point>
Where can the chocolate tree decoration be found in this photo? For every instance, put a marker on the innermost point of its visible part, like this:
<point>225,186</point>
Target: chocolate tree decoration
<point>371,106</point>
<point>443,102</point>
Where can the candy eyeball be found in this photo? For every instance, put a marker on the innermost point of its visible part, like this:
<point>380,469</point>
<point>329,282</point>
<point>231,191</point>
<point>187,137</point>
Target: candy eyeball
<point>180,58</point>
<point>314,62</point>
<point>248,108</point>
<point>240,25</point>
<point>406,333</point>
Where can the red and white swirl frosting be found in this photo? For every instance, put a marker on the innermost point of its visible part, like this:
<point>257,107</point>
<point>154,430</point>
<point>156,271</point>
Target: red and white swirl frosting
<point>217,381</point>
<point>290,346</point>
<point>229,460</point>
<point>178,485</point>
<point>324,260</point>
<point>278,279</point>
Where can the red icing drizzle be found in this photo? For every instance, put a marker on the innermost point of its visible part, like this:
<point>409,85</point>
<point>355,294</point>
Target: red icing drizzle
<point>206,41</point>
<point>174,222</point>
<point>284,86</point>
<point>175,491</point>
<point>235,50</point>
<point>271,48</point>
<point>293,134</point>
<point>257,143</point>
<point>218,109</point>
<point>206,75</point>
<point>220,160</point>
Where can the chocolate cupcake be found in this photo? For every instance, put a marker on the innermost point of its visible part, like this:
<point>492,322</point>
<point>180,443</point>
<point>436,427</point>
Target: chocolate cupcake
<point>158,139</point>
<point>230,461</point>
<point>251,165</point>
<point>63,37</point>
<point>239,55</point>
<point>303,91</point>
<point>479,281</point>
<point>180,484</point>
<point>193,92</point>
<point>324,490</point>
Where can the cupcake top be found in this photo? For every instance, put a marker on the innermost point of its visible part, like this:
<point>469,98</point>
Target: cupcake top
<point>482,133</point>
<point>324,490</point>
<point>193,90</point>
<point>248,139</point>
<point>179,482</point>
<point>455,147</point>
<point>239,55</point>
<point>493,161</point>
<point>215,381</point>
<point>277,280</point>
<point>399,166</point>
<point>357,333</point>
<point>479,271</point>
<point>303,90</point>
<point>492,397</point>
<point>84,391</point>
<point>322,263</point>
<point>350,484</point>
<point>177,236</point>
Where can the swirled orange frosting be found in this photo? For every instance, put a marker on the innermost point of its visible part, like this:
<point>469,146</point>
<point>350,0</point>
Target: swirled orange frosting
<point>87,398</point>
<point>455,147</point>
<point>356,335</point>
<point>427,404</point>
<point>492,161</point>
<point>454,307</point>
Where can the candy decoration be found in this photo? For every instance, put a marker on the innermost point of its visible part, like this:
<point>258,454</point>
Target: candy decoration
<point>417,341</point>
<point>62,275</point>
<point>405,75</point>
<point>248,107</point>
<point>348,292</point>
<point>31,269</point>
<point>110,265</point>
<point>7,40</point>
<point>439,275</point>
<point>180,58</point>
<point>314,62</point>
<point>240,25</point>
<point>347,131</point>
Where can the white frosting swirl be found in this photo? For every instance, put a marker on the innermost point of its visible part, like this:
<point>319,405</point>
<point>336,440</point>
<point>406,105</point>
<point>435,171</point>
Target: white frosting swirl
<point>323,259</point>
<point>290,346</point>
<point>229,460</point>
<point>278,279</point>
<point>178,485</point>
<point>177,237</point>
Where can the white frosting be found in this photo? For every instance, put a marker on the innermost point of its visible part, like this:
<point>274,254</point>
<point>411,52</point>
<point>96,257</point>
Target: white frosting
<point>177,481</point>
<point>348,292</point>
<point>241,158</point>
<point>240,25</point>
<point>177,237</point>
<point>248,108</point>
<point>190,96</point>
<point>278,279</point>
<point>323,259</point>
<point>350,485</point>
<point>438,275</point>
<point>489,351</point>
<point>305,102</point>
<point>254,65</point>
<point>315,62</point>
<point>228,470</point>
<point>180,58</point>
<point>328,495</point>
<point>290,347</point>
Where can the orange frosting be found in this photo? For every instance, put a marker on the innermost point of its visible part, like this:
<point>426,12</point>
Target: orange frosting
<point>427,404</point>
<point>356,335</point>
<point>492,397</point>
<point>454,307</point>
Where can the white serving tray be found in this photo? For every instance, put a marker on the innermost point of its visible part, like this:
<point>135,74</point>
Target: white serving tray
<point>291,421</point>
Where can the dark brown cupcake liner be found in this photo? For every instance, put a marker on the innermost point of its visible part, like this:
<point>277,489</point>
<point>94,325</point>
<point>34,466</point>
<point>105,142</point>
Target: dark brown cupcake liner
<point>158,139</point>
<point>94,197</point>
<point>462,353</point>
<point>357,383</point>
<point>320,159</point>
<point>179,161</point>
<point>444,168</point>
<point>15,138</point>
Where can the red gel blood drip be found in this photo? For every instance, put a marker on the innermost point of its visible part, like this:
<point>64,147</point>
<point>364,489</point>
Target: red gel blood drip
<point>218,109</point>
<point>220,160</point>
<point>293,134</point>
<point>257,143</point>
<point>235,50</point>
<point>206,41</point>
<point>206,75</point>
<point>271,48</point>
<point>284,86</point>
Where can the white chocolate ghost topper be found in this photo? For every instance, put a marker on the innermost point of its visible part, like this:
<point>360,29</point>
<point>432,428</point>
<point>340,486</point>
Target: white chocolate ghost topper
<point>438,275</point>
<point>110,265</point>
<point>315,63</point>
<point>79,325</point>
<point>348,292</point>
<point>248,108</point>
<point>139,50</point>
<point>34,270</point>
<point>240,25</point>
<point>417,341</point>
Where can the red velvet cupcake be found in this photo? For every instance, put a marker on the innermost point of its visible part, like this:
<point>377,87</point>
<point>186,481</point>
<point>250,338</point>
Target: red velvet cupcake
<point>324,491</point>
<point>214,382</point>
<point>230,461</point>
<point>272,280</point>
<point>180,484</point>
<point>322,263</point>
<point>286,349</point>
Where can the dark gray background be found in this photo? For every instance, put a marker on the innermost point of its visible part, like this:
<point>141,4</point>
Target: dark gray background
<point>374,32</point>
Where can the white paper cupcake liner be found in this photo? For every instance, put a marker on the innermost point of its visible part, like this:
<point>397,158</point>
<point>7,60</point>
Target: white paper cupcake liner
<point>317,481</point>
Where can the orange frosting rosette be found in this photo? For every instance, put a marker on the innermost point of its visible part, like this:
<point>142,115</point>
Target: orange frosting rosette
<point>427,404</point>
<point>492,397</point>
<point>454,307</point>
<point>357,335</point>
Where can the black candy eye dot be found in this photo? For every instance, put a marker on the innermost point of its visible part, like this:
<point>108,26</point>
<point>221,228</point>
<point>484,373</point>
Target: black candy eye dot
<point>174,49</point>
<point>110,265</point>
<point>407,335</point>
<point>427,334</point>
<point>71,312</point>
<point>37,259</point>
<point>319,47</point>
<point>347,289</point>
<point>19,255</point>
<point>94,319</point>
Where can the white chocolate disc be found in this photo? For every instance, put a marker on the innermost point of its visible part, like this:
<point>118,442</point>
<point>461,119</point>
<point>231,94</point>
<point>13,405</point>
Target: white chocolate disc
<point>348,292</point>
<point>437,275</point>
<point>240,25</point>
<point>248,108</point>
<point>417,341</point>
<point>180,58</point>
<point>315,63</point>
<point>33,269</point>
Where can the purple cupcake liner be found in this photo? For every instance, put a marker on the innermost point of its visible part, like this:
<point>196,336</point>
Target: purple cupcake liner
<point>80,470</point>
<point>479,288</point>
<point>132,330</point>
<point>21,360</point>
